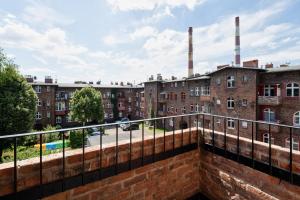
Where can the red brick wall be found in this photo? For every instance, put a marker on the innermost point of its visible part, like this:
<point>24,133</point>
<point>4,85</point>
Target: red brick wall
<point>173,178</point>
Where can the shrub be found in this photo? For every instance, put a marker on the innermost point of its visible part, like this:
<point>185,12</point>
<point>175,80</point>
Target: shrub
<point>76,139</point>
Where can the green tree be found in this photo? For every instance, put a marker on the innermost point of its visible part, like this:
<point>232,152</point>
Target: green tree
<point>87,106</point>
<point>17,102</point>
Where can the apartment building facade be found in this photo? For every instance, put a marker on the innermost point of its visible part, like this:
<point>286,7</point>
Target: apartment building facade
<point>53,105</point>
<point>248,92</point>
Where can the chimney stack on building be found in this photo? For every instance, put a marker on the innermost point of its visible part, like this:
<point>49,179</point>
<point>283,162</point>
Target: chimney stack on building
<point>48,79</point>
<point>190,70</point>
<point>237,42</point>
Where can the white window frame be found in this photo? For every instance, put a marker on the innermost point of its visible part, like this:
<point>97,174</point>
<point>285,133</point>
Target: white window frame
<point>244,124</point>
<point>39,102</point>
<point>295,144</point>
<point>244,102</point>
<point>191,92</point>
<point>48,88</point>
<point>60,106</point>
<point>38,89</point>
<point>269,113</point>
<point>230,82</point>
<point>268,89</point>
<point>218,81</point>
<point>205,90</point>
<point>182,83</point>
<point>266,137</point>
<point>38,115</point>
<point>183,110</point>
<point>197,91</point>
<point>230,103</point>
<point>296,118</point>
<point>293,87</point>
<point>48,114</point>
<point>58,120</point>
<point>230,123</point>
<point>197,107</point>
<point>175,84</point>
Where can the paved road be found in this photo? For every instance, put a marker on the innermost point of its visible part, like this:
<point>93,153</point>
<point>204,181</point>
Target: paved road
<point>110,136</point>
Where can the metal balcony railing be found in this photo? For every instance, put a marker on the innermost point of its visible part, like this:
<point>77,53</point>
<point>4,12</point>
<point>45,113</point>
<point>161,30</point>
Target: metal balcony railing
<point>198,118</point>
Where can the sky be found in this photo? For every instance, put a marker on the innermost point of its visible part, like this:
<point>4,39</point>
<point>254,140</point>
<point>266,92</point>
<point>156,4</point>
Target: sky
<point>129,40</point>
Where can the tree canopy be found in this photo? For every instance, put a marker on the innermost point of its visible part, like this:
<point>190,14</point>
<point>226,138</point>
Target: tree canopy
<point>17,101</point>
<point>87,106</point>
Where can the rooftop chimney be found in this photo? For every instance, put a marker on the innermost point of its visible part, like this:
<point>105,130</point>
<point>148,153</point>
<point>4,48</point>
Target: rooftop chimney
<point>269,65</point>
<point>251,63</point>
<point>190,72</point>
<point>29,78</point>
<point>48,79</point>
<point>237,42</point>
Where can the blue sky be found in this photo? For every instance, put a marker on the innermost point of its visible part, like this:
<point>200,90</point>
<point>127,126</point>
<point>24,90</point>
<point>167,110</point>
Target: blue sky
<point>128,40</point>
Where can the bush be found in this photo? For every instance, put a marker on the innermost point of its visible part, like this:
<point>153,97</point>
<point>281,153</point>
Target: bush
<point>51,137</point>
<point>76,139</point>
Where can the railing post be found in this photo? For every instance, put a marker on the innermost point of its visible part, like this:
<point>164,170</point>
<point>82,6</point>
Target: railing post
<point>225,138</point>
<point>203,134</point>
<point>143,143</point>
<point>190,130</point>
<point>154,125</point>
<point>173,134</point>
<point>64,162</point>
<point>101,153</point>
<point>130,145</point>
<point>41,165</point>
<point>83,156</point>
<point>117,150</point>
<point>181,131</point>
<point>197,130</point>
<point>270,150</point>
<point>291,155</point>
<point>238,140</point>
<point>252,143</point>
<point>15,168</point>
<point>164,125</point>
<point>213,133</point>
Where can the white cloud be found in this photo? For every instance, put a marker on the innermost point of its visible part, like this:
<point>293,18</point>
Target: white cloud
<point>127,5</point>
<point>143,32</point>
<point>40,14</point>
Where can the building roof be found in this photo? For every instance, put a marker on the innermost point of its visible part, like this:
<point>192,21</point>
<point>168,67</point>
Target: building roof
<point>74,85</point>
<point>233,67</point>
<point>198,78</point>
<point>283,69</point>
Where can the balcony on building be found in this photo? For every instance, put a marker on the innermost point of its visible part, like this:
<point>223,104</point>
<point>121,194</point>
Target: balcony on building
<point>269,95</point>
<point>273,128</point>
<point>60,112</point>
<point>204,98</point>
<point>162,97</point>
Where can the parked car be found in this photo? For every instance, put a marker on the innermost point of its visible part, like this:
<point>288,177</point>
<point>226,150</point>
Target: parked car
<point>94,131</point>
<point>125,119</point>
<point>132,126</point>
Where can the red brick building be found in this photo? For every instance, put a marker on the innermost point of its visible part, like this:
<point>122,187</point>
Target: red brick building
<point>53,105</point>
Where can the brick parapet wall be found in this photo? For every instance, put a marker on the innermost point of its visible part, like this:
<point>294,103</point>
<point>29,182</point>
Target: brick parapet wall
<point>29,174</point>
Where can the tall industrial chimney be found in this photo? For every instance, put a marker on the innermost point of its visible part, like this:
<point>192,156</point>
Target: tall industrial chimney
<point>190,72</point>
<point>237,42</point>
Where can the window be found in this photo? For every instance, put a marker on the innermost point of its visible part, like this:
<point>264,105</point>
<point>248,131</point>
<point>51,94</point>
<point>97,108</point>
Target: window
<point>183,110</point>
<point>48,102</point>
<point>183,83</point>
<point>182,96</point>
<point>205,91</point>
<point>244,124</point>
<point>38,115</point>
<point>218,101</point>
<point>171,122</point>
<point>295,144</point>
<point>244,102</point>
<point>60,106</point>
<point>129,108</point>
<point>230,82</point>
<point>196,91</point>
<point>230,123</point>
<point>245,79</point>
<point>175,84</point>
<point>39,102</point>
<point>58,119</point>
<point>192,107</point>
<point>48,88</point>
<point>269,90</point>
<point>192,92</point>
<point>120,114</point>
<point>197,107</point>
<point>171,84</point>
<point>269,115</point>
<point>48,114</point>
<point>266,138</point>
<point>218,81</point>
<point>292,90</point>
<point>176,110</point>
<point>129,99</point>
<point>296,118</point>
<point>230,103</point>
<point>199,123</point>
<point>38,89</point>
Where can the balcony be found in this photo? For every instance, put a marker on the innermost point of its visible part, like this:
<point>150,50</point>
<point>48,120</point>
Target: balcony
<point>60,112</point>
<point>161,113</point>
<point>265,127</point>
<point>269,100</point>
<point>204,98</point>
